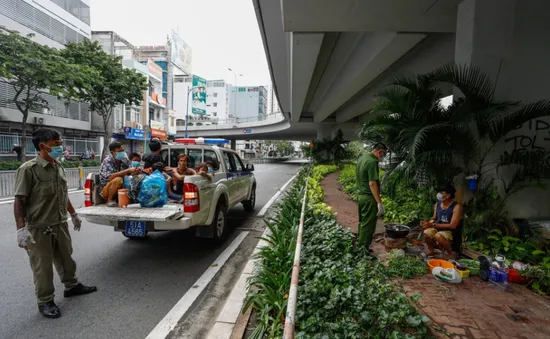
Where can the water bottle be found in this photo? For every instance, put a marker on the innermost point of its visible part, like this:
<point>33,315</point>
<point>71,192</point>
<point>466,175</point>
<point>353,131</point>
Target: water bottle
<point>498,273</point>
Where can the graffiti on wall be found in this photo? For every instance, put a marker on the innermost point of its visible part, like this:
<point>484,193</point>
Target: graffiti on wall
<point>529,148</point>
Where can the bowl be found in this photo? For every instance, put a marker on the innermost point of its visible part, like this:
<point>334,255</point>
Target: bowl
<point>439,263</point>
<point>397,231</point>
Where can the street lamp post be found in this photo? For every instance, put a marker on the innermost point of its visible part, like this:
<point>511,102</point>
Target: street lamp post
<point>235,93</point>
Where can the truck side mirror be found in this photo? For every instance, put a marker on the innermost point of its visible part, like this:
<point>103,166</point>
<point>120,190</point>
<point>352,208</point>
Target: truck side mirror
<point>250,167</point>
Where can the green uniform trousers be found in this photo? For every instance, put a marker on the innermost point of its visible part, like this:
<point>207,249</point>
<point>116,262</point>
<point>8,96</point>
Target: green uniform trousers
<point>368,209</point>
<point>52,245</point>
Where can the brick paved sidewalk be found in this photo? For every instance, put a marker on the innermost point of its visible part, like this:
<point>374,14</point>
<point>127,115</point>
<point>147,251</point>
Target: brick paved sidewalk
<point>473,309</point>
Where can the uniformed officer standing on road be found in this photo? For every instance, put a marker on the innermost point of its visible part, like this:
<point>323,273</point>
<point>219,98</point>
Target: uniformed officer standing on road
<point>369,202</point>
<point>40,209</point>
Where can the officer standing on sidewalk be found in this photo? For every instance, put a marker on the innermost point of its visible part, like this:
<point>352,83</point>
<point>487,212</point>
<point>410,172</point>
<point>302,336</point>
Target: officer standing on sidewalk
<point>369,202</point>
<point>40,208</point>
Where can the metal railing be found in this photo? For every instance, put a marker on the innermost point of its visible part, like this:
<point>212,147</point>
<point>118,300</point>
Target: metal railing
<point>290,319</point>
<point>76,146</point>
<point>7,179</point>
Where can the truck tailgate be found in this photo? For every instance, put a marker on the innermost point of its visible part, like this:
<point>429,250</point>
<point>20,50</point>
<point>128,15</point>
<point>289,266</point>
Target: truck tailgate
<point>133,212</point>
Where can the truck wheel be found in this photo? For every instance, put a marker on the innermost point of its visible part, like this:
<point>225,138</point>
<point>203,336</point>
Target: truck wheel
<point>219,224</point>
<point>251,203</point>
<point>135,238</point>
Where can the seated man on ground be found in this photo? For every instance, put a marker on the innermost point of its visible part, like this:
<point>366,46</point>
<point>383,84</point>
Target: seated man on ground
<point>113,169</point>
<point>445,227</point>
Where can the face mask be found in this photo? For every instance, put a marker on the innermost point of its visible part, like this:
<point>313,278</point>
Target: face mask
<point>210,170</point>
<point>439,197</point>
<point>120,155</point>
<point>136,163</point>
<point>56,152</point>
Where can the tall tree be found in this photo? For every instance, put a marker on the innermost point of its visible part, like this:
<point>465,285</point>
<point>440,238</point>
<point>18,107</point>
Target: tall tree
<point>35,71</point>
<point>114,85</point>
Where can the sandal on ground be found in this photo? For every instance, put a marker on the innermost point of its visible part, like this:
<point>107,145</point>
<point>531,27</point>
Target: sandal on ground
<point>112,204</point>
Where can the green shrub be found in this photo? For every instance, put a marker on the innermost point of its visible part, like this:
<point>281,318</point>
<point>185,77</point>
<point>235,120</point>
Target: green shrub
<point>12,165</point>
<point>406,205</point>
<point>343,293</point>
<point>9,165</point>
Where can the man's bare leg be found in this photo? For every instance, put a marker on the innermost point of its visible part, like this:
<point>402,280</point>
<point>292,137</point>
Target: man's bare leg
<point>446,245</point>
<point>430,244</point>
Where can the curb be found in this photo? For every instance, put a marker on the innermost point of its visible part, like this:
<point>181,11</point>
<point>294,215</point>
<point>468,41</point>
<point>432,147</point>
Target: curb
<point>230,319</point>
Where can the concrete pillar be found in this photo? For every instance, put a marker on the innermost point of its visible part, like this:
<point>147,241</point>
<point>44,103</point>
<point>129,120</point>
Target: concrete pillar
<point>324,132</point>
<point>504,38</point>
<point>484,38</point>
<point>233,144</point>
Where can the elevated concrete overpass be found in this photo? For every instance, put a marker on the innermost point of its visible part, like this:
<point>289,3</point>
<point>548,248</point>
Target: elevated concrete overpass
<point>276,128</point>
<point>328,57</point>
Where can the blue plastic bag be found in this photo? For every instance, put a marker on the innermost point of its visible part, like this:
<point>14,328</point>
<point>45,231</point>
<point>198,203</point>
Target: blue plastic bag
<point>152,192</point>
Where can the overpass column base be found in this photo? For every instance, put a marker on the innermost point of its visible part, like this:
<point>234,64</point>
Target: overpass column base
<point>233,144</point>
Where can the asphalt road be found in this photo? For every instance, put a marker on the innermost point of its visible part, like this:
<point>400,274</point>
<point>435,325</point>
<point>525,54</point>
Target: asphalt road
<point>138,281</point>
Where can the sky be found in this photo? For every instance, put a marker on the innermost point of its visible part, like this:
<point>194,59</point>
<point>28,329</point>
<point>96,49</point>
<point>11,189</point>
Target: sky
<point>222,33</point>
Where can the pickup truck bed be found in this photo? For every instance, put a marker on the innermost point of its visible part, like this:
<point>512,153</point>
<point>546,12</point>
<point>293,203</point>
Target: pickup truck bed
<point>133,212</point>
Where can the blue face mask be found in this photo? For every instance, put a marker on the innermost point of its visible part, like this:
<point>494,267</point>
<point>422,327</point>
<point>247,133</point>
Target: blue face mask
<point>136,163</point>
<point>210,170</point>
<point>120,155</point>
<point>56,152</point>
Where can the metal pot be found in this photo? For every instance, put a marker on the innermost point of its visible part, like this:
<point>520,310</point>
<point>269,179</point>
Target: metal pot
<point>396,231</point>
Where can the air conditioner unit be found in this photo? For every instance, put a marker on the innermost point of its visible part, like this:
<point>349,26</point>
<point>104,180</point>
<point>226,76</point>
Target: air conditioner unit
<point>38,121</point>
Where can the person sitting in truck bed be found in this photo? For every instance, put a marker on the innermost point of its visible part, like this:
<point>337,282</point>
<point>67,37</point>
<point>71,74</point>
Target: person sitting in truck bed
<point>152,158</point>
<point>206,169</point>
<point>114,168</point>
<point>175,189</point>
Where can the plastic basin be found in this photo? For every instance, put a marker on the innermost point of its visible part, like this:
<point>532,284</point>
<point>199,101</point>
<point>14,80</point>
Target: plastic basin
<point>439,263</point>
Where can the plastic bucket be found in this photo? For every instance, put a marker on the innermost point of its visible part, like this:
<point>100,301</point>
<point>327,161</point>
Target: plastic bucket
<point>439,263</point>
<point>123,197</point>
<point>472,184</point>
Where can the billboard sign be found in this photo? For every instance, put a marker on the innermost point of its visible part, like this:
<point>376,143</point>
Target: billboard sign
<point>199,95</point>
<point>181,53</point>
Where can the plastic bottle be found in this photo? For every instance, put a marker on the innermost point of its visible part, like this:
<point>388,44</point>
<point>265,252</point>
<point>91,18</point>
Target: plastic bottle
<point>498,273</point>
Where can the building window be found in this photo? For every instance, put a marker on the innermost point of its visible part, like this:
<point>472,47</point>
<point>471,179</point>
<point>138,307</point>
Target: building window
<point>215,114</point>
<point>215,104</point>
<point>215,95</point>
<point>37,20</point>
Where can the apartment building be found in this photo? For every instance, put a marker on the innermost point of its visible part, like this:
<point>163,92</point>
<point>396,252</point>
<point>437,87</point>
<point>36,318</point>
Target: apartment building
<point>53,23</point>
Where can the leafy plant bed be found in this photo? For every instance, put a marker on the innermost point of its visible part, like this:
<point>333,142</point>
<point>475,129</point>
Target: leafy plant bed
<point>343,293</point>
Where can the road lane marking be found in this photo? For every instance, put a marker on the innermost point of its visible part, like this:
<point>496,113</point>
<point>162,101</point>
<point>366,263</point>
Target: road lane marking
<point>10,200</point>
<point>274,197</point>
<point>169,322</point>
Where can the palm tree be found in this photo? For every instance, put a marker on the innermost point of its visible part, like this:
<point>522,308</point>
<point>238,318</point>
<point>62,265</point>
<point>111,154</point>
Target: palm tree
<point>445,141</point>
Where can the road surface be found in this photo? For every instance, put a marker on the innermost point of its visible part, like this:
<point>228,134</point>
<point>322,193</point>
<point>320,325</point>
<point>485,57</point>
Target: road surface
<point>139,281</point>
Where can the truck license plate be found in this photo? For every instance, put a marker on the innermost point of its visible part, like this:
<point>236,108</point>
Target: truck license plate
<point>135,228</point>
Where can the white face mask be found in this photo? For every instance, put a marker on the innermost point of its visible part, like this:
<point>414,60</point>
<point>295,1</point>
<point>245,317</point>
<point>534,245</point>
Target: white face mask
<point>439,197</point>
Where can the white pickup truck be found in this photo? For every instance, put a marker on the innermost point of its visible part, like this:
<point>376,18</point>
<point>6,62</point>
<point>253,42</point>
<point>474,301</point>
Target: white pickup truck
<point>205,203</point>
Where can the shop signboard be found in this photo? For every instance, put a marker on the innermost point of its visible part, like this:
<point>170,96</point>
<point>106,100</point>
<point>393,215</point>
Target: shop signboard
<point>199,95</point>
<point>158,133</point>
<point>154,69</point>
<point>181,54</point>
<point>134,133</point>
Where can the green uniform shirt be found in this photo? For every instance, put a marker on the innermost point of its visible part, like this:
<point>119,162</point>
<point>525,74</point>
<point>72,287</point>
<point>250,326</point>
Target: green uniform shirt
<point>367,171</point>
<point>46,189</point>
